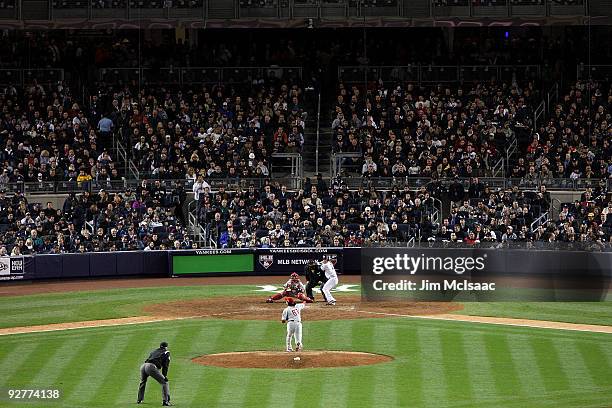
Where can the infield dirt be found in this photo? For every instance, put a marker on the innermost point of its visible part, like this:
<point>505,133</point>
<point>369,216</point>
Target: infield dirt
<point>255,308</point>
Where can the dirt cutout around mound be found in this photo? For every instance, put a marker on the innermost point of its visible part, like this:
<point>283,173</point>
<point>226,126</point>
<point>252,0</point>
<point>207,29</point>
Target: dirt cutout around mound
<point>255,308</point>
<point>288,360</point>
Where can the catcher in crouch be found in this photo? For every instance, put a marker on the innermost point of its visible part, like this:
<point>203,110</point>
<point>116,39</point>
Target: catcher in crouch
<point>293,288</point>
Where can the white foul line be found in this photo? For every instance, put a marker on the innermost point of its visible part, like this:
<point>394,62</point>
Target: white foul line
<point>92,324</point>
<point>507,322</point>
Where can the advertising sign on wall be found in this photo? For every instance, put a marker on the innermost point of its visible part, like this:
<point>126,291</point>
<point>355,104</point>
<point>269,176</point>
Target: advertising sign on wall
<point>12,268</point>
<point>281,261</point>
<point>211,261</point>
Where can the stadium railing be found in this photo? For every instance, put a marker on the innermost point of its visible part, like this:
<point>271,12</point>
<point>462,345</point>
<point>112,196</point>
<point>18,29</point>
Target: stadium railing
<point>196,75</point>
<point>423,74</point>
<point>508,8</point>
<point>309,10</point>
<point>65,187</point>
<point>529,245</point>
<point>595,72</point>
<point>24,77</point>
<point>357,181</point>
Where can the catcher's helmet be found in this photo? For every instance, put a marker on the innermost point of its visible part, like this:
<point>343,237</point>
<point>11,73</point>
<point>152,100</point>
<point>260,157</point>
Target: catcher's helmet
<point>295,276</point>
<point>290,301</point>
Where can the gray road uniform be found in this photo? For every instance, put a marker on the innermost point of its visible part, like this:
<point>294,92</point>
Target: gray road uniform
<point>159,359</point>
<point>293,316</point>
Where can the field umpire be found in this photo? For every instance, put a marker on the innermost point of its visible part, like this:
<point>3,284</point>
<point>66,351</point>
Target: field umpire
<point>314,276</point>
<point>159,359</point>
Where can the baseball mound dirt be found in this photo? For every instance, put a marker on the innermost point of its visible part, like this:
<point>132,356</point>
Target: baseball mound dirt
<point>287,360</point>
<point>255,308</point>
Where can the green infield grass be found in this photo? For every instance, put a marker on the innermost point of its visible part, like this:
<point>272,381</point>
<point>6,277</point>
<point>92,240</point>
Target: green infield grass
<point>436,363</point>
<point>107,304</point>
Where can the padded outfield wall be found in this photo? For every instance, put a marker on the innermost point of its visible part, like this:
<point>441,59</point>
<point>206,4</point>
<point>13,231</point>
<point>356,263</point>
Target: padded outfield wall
<point>464,274</point>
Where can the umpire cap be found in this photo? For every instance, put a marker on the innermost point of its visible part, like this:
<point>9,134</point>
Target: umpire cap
<point>163,344</point>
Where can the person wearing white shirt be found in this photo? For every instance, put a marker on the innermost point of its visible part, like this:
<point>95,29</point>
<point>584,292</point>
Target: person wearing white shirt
<point>332,280</point>
<point>292,316</point>
<point>199,187</point>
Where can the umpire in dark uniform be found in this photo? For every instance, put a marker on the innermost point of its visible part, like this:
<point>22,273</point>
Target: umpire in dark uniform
<point>159,359</point>
<point>314,277</point>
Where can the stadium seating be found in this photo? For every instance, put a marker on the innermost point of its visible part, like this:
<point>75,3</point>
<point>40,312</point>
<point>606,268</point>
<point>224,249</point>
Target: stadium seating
<point>45,140</point>
<point>482,216</point>
<point>146,218</point>
<point>215,133</point>
<point>438,131</point>
<point>575,142</point>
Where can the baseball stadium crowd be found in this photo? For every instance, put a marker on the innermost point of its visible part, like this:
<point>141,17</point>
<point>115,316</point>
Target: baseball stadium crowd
<point>209,134</point>
<point>214,132</point>
<point>145,218</point>
<point>443,132</point>
<point>438,131</point>
<point>332,215</point>
<point>575,142</point>
<point>47,135</point>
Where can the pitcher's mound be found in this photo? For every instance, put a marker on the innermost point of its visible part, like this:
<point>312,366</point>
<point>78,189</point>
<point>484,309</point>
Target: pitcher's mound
<point>287,360</point>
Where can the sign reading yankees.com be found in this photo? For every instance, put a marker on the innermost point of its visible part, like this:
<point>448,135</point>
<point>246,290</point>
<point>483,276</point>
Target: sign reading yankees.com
<point>288,260</point>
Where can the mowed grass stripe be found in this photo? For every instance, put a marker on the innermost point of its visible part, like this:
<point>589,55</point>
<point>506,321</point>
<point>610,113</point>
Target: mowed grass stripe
<point>18,375</point>
<point>531,382</point>
<point>337,380</point>
<point>382,379</point>
<point>362,383</point>
<point>260,386</point>
<point>94,371</point>
<point>74,368</point>
<point>207,341</point>
<point>456,371</point>
<point>48,375</point>
<point>236,387</point>
<point>479,366</point>
<point>549,364</point>
<point>572,362</point>
<point>408,364</point>
<point>125,362</point>
<point>434,383</point>
<point>311,381</point>
<point>598,362</point>
<point>504,370</point>
<point>212,389</point>
<point>181,342</point>
<point>329,338</point>
<point>12,356</point>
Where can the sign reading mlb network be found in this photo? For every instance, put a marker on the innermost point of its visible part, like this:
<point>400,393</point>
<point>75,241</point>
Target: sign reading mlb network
<point>11,268</point>
<point>475,274</point>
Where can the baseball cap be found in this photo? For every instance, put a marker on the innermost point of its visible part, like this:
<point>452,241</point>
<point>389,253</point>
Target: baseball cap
<point>163,344</point>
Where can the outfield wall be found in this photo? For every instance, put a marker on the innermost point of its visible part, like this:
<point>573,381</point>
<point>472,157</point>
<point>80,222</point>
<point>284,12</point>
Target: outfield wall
<point>547,265</point>
<point>204,262</point>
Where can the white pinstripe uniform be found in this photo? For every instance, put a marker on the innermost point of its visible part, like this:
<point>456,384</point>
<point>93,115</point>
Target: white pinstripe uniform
<point>293,316</point>
<point>332,281</point>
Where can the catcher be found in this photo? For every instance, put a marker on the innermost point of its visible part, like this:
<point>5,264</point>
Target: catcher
<point>293,288</point>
